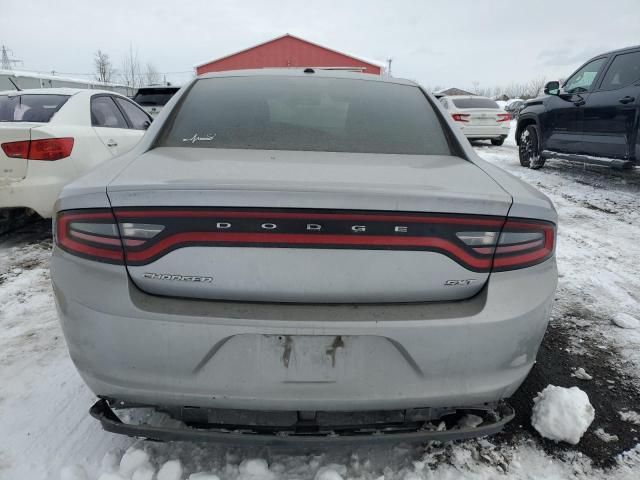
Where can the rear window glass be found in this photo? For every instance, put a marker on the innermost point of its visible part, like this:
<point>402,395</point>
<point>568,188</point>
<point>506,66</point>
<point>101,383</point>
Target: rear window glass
<point>474,103</point>
<point>303,113</point>
<point>154,97</point>
<point>30,108</point>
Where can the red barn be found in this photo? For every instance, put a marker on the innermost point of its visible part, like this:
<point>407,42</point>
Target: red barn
<point>289,51</point>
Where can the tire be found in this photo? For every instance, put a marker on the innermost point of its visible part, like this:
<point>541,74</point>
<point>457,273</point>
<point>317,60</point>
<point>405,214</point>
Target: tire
<point>529,149</point>
<point>497,141</point>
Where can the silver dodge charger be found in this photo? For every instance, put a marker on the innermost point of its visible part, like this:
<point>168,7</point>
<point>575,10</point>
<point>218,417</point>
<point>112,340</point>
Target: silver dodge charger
<point>303,256</point>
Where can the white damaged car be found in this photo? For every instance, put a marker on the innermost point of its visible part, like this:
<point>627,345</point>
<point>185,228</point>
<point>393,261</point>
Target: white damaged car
<point>51,136</point>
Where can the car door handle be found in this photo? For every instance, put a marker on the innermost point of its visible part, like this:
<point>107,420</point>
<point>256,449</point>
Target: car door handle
<point>112,143</point>
<point>627,99</point>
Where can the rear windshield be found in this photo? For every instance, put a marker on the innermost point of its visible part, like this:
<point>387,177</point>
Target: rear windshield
<point>30,108</point>
<point>306,113</point>
<point>474,103</point>
<point>154,97</point>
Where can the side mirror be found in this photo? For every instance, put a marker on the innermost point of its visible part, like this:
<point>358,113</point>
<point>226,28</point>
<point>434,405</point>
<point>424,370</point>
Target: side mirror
<point>147,124</point>
<point>552,88</point>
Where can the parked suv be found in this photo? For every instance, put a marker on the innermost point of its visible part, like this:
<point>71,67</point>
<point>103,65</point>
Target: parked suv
<point>592,117</point>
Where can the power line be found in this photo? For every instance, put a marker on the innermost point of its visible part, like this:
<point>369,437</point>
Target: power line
<point>7,63</point>
<point>93,73</point>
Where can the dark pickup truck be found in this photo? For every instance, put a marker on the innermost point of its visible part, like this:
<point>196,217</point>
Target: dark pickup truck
<point>592,117</point>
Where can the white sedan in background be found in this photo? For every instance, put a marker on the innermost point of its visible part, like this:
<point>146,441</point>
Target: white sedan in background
<point>49,137</point>
<point>479,118</point>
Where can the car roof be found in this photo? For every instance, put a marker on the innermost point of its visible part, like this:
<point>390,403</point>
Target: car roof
<point>54,91</point>
<point>619,50</point>
<point>300,72</point>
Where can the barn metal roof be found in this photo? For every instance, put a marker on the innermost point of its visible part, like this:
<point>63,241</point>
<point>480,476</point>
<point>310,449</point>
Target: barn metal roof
<point>375,63</point>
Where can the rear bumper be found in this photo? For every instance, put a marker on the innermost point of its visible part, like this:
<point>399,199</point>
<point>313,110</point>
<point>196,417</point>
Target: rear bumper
<point>37,193</point>
<point>151,350</point>
<point>304,433</point>
<point>486,132</point>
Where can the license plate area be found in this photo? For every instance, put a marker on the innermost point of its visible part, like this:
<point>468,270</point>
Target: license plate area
<point>309,359</point>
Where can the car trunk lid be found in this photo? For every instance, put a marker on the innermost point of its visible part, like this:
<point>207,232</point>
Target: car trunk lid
<point>284,226</point>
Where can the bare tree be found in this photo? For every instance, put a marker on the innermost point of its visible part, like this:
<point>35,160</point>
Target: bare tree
<point>151,74</point>
<point>104,69</point>
<point>131,71</point>
<point>516,90</point>
<point>535,86</point>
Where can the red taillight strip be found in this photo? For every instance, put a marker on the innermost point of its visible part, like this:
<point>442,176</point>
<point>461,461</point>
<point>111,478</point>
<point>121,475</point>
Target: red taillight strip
<point>190,238</point>
<point>130,242</point>
<point>524,260</point>
<point>519,247</point>
<point>512,261</point>
<point>99,253</point>
<point>461,117</point>
<point>453,220</point>
<point>66,242</point>
<point>190,233</point>
<point>96,238</point>
<point>509,248</point>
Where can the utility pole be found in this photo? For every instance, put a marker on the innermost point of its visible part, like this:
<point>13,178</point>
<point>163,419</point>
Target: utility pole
<point>389,60</point>
<point>6,63</point>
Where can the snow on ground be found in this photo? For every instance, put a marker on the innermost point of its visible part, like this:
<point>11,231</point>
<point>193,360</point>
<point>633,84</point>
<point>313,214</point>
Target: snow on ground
<point>598,247</point>
<point>46,433</point>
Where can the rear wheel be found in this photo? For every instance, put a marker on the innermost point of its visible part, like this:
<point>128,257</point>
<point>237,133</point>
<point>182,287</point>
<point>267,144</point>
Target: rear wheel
<point>529,150</point>
<point>497,141</point>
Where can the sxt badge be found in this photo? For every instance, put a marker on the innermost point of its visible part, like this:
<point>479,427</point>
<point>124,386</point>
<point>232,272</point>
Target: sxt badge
<point>453,283</point>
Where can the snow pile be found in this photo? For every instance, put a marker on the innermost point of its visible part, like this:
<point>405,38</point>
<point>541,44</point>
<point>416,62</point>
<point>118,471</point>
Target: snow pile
<point>73,472</point>
<point>624,320</point>
<point>331,472</point>
<point>145,472</point>
<point>255,469</point>
<point>581,374</point>
<point>477,459</point>
<point>171,470</point>
<point>562,414</point>
<point>133,460</point>
<point>469,421</point>
<point>630,416</point>
<point>604,436</point>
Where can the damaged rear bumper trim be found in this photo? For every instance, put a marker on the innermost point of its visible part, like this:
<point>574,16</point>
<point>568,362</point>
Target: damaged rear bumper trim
<point>111,423</point>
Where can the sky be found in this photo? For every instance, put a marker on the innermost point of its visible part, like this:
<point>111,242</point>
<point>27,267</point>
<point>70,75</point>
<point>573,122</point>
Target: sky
<point>462,43</point>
